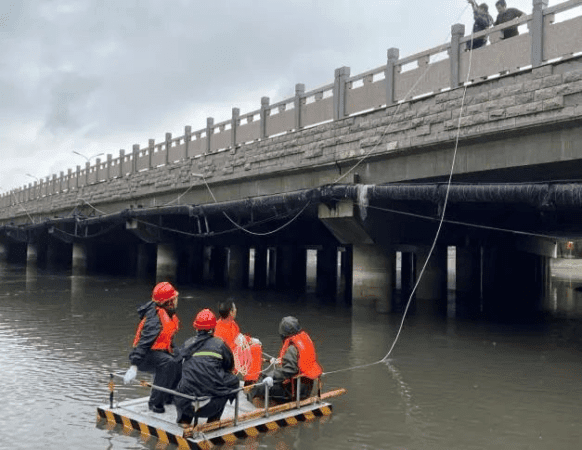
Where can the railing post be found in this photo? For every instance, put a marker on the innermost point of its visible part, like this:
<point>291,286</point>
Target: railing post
<point>264,114</point>
<point>390,75</point>
<point>234,126</point>
<point>54,183</point>
<point>134,155</point>
<point>537,32</point>
<point>299,92</point>
<point>69,176</point>
<point>121,161</point>
<point>151,144</point>
<point>78,177</point>
<point>457,32</point>
<point>97,170</point>
<point>209,132</point>
<point>339,92</point>
<point>109,160</point>
<point>168,147</point>
<point>187,139</point>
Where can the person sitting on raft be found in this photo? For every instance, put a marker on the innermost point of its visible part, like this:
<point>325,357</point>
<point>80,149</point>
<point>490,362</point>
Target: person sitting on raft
<point>297,357</point>
<point>228,330</point>
<point>207,371</point>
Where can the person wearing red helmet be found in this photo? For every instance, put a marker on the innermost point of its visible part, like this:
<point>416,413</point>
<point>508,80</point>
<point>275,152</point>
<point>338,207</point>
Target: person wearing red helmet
<point>207,371</point>
<point>153,345</point>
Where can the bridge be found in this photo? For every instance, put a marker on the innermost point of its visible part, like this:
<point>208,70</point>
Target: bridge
<point>356,170</point>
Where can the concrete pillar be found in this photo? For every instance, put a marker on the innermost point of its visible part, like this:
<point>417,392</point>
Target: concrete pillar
<point>209,133</point>
<point>372,277</point>
<point>327,271</point>
<point>234,126</point>
<point>457,32</point>
<point>265,111</point>
<point>238,267</point>
<point>339,92</point>
<point>537,32</point>
<point>3,251</point>
<point>299,100</point>
<point>468,281</point>
<point>389,75</point>
<point>142,261</point>
<point>79,258</point>
<point>218,267</point>
<point>166,263</point>
<point>432,287</point>
<point>407,280</point>
<point>271,267</point>
<point>31,253</point>
<point>260,268</point>
<point>513,282</point>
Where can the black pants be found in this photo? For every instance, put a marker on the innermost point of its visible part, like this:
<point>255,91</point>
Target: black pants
<point>167,373</point>
<point>212,410</point>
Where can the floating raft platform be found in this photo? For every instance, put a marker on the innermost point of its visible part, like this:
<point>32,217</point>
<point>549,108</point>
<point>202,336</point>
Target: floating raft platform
<point>135,415</point>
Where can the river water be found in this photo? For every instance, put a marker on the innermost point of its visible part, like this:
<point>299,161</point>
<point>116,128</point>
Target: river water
<point>450,383</point>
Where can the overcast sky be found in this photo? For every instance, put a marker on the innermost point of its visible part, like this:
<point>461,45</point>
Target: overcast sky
<point>96,76</point>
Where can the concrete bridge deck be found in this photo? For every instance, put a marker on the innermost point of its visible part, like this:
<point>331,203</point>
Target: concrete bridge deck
<point>357,165</point>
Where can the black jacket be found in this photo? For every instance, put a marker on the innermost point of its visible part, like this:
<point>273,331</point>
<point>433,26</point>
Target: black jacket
<point>207,365</point>
<point>151,329</point>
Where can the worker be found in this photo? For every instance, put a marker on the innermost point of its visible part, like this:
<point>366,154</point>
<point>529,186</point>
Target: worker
<point>248,351</point>
<point>207,372</point>
<point>153,344</point>
<point>297,357</point>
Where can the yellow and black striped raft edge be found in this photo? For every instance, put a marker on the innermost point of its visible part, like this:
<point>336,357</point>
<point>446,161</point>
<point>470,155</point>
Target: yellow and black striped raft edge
<point>184,443</point>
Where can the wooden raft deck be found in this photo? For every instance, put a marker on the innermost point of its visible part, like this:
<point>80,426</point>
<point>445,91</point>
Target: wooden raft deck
<point>135,414</point>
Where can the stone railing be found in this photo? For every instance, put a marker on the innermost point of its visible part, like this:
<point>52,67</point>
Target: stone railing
<point>429,72</point>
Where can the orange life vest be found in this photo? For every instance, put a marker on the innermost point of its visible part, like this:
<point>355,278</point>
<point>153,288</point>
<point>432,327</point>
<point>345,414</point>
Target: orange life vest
<point>169,329</point>
<point>308,365</point>
<point>227,330</point>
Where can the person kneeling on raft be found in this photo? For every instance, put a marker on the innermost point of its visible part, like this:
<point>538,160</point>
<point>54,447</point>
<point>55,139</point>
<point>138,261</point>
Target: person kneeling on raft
<point>296,357</point>
<point>154,344</point>
<point>207,371</point>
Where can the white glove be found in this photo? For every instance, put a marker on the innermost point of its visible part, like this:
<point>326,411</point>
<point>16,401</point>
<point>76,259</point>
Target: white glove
<point>268,381</point>
<point>130,375</point>
<point>255,341</point>
<point>274,361</point>
<point>240,340</point>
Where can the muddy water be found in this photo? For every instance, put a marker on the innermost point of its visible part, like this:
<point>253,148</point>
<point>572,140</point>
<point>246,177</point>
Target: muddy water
<point>450,384</point>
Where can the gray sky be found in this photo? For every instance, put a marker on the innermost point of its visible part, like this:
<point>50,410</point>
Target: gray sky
<point>96,76</point>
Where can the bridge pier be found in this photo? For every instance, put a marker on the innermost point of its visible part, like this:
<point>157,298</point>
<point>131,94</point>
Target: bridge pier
<point>32,253</point>
<point>166,263</point>
<point>468,282</point>
<point>326,276</point>
<point>79,258</point>
<point>238,267</point>
<point>432,288</point>
<point>59,254</point>
<point>513,281</point>
<point>3,251</point>
<point>260,268</point>
<point>372,276</point>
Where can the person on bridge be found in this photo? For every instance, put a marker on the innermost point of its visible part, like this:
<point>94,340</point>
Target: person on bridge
<point>248,351</point>
<point>482,21</point>
<point>297,357</point>
<point>207,371</point>
<point>153,344</point>
<point>505,15</point>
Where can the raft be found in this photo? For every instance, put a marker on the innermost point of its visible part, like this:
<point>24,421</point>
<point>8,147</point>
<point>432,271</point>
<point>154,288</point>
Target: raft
<point>239,420</point>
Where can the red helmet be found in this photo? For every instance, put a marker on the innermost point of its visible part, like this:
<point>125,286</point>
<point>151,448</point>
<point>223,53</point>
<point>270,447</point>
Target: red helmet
<point>205,320</point>
<point>163,292</point>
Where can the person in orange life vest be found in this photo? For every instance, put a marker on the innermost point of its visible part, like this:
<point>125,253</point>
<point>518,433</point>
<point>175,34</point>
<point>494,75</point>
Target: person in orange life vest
<point>228,330</point>
<point>207,366</point>
<point>297,357</point>
<point>153,345</point>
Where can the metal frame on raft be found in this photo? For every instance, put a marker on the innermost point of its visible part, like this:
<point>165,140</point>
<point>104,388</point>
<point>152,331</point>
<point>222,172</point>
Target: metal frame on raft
<point>135,415</point>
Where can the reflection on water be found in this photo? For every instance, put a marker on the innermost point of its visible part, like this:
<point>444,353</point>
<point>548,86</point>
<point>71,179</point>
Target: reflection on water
<point>449,384</point>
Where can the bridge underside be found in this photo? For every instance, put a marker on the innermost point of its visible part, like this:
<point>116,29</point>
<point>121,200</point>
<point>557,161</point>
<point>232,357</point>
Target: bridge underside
<point>503,235</point>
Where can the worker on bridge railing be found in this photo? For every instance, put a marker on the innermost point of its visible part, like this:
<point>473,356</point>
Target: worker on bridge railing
<point>153,344</point>
<point>247,351</point>
<point>505,15</point>
<point>207,371</point>
<point>482,21</point>
<point>296,357</point>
